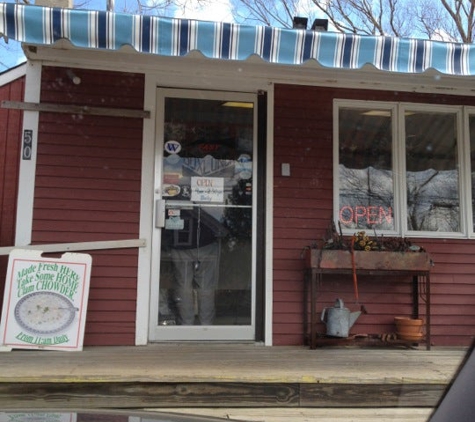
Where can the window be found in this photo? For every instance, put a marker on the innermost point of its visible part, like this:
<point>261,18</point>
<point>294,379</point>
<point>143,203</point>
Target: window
<point>366,185</point>
<point>398,168</point>
<point>432,171</point>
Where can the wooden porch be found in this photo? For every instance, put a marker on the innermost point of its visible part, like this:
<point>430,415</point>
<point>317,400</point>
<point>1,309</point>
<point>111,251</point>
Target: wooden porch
<point>223,376</point>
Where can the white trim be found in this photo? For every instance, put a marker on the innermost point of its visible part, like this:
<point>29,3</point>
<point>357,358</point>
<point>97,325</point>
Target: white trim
<point>463,163</point>
<point>12,74</point>
<point>26,183</point>
<point>467,163</point>
<point>336,159</point>
<point>269,232</point>
<point>399,150</point>
<point>155,232</point>
<point>146,216</point>
<point>255,69</point>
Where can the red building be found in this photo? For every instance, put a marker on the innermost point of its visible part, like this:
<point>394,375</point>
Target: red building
<point>229,149</point>
<point>12,84</point>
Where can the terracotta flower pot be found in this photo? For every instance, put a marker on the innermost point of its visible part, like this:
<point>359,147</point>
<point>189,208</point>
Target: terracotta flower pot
<point>409,328</point>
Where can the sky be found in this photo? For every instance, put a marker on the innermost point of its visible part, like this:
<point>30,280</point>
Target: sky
<point>219,10</point>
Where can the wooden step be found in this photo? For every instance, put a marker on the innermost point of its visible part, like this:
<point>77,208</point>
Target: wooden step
<point>226,375</point>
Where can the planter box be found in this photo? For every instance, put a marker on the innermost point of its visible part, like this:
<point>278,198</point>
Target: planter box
<point>367,260</point>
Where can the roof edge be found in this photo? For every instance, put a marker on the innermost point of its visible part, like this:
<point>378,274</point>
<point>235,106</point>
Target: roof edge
<point>12,74</point>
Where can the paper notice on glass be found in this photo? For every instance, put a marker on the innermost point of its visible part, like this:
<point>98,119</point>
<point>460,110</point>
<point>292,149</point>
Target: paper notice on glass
<point>207,189</point>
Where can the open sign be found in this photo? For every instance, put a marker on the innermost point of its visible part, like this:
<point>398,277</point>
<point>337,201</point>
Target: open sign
<point>367,215</point>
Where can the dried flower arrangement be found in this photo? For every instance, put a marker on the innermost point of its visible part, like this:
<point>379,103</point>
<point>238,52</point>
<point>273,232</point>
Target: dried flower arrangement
<point>363,242</point>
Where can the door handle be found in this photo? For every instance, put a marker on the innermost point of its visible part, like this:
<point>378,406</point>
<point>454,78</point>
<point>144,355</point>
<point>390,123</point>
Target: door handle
<point>159,213</point>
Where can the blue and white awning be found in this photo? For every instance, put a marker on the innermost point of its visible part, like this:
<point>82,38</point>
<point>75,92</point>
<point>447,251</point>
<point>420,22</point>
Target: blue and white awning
<point>225,41</point>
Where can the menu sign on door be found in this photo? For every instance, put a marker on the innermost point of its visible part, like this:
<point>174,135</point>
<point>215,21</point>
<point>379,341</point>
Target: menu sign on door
<point>45,301</point>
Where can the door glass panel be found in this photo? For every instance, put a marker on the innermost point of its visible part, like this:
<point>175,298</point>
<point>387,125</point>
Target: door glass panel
<point>206,246</point>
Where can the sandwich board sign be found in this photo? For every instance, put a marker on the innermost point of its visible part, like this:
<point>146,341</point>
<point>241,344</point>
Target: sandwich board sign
<point>35,416</point>
<point>45,301</point>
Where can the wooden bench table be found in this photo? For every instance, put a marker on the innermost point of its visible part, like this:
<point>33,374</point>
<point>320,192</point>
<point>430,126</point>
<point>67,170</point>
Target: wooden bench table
<point>413,265</point>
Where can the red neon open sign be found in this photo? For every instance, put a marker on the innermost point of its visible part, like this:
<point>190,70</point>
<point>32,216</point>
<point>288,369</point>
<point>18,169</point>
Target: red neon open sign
<point>371,214</point>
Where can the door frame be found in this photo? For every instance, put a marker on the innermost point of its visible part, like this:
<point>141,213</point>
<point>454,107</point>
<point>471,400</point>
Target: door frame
<point>185,333</point>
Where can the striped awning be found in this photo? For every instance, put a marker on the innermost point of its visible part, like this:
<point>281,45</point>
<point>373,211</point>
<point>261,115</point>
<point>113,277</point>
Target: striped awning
<point>226,41</point>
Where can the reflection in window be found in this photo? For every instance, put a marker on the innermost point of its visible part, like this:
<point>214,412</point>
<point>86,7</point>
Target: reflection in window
<point>432,174</point>
<point>366,188</point>
<point>206,257</point>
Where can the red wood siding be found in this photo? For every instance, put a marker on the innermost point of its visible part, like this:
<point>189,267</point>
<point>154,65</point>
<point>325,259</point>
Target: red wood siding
<point>303,204</point>
<point>88,189</point>
<point>10,142</point>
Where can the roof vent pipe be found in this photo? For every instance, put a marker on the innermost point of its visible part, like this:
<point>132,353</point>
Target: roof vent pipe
<point>299,23</point>
<point>110,5</point>
<point>320,25</point>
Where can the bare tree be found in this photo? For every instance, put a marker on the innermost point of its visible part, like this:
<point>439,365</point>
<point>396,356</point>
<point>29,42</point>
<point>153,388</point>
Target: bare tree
<point>144,7</point>
<point>381,17</point>
<point>449,20</point>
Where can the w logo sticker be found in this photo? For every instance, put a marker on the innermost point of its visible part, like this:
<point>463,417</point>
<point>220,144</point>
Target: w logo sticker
<point>172,147</point>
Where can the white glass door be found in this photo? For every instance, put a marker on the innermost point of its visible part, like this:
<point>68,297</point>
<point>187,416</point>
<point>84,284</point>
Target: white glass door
<point>204,283</point>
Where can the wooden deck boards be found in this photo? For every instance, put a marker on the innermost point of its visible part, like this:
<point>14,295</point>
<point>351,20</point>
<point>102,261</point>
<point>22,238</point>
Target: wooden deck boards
<point>226,375</point>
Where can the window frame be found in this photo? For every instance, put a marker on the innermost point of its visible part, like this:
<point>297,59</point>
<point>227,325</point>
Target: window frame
<point>463,164</point>
<point>467,159</point>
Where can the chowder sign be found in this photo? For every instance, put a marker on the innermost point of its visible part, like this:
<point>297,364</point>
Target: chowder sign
<point>34,416</point>
<point>45,301</point>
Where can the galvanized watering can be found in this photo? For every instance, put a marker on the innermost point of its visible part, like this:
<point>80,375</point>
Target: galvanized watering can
<point>339,319</point>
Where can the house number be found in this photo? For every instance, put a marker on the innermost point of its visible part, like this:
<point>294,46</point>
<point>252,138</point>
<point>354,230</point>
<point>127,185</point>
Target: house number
<point>27,144</point>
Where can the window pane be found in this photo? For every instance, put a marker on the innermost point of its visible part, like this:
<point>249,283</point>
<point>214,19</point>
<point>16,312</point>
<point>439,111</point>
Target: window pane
<point>471,123</point>
<point>365,169</point>
<point>433,200</point>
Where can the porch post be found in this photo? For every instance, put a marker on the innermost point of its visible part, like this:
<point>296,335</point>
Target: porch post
<point>26,184</point>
